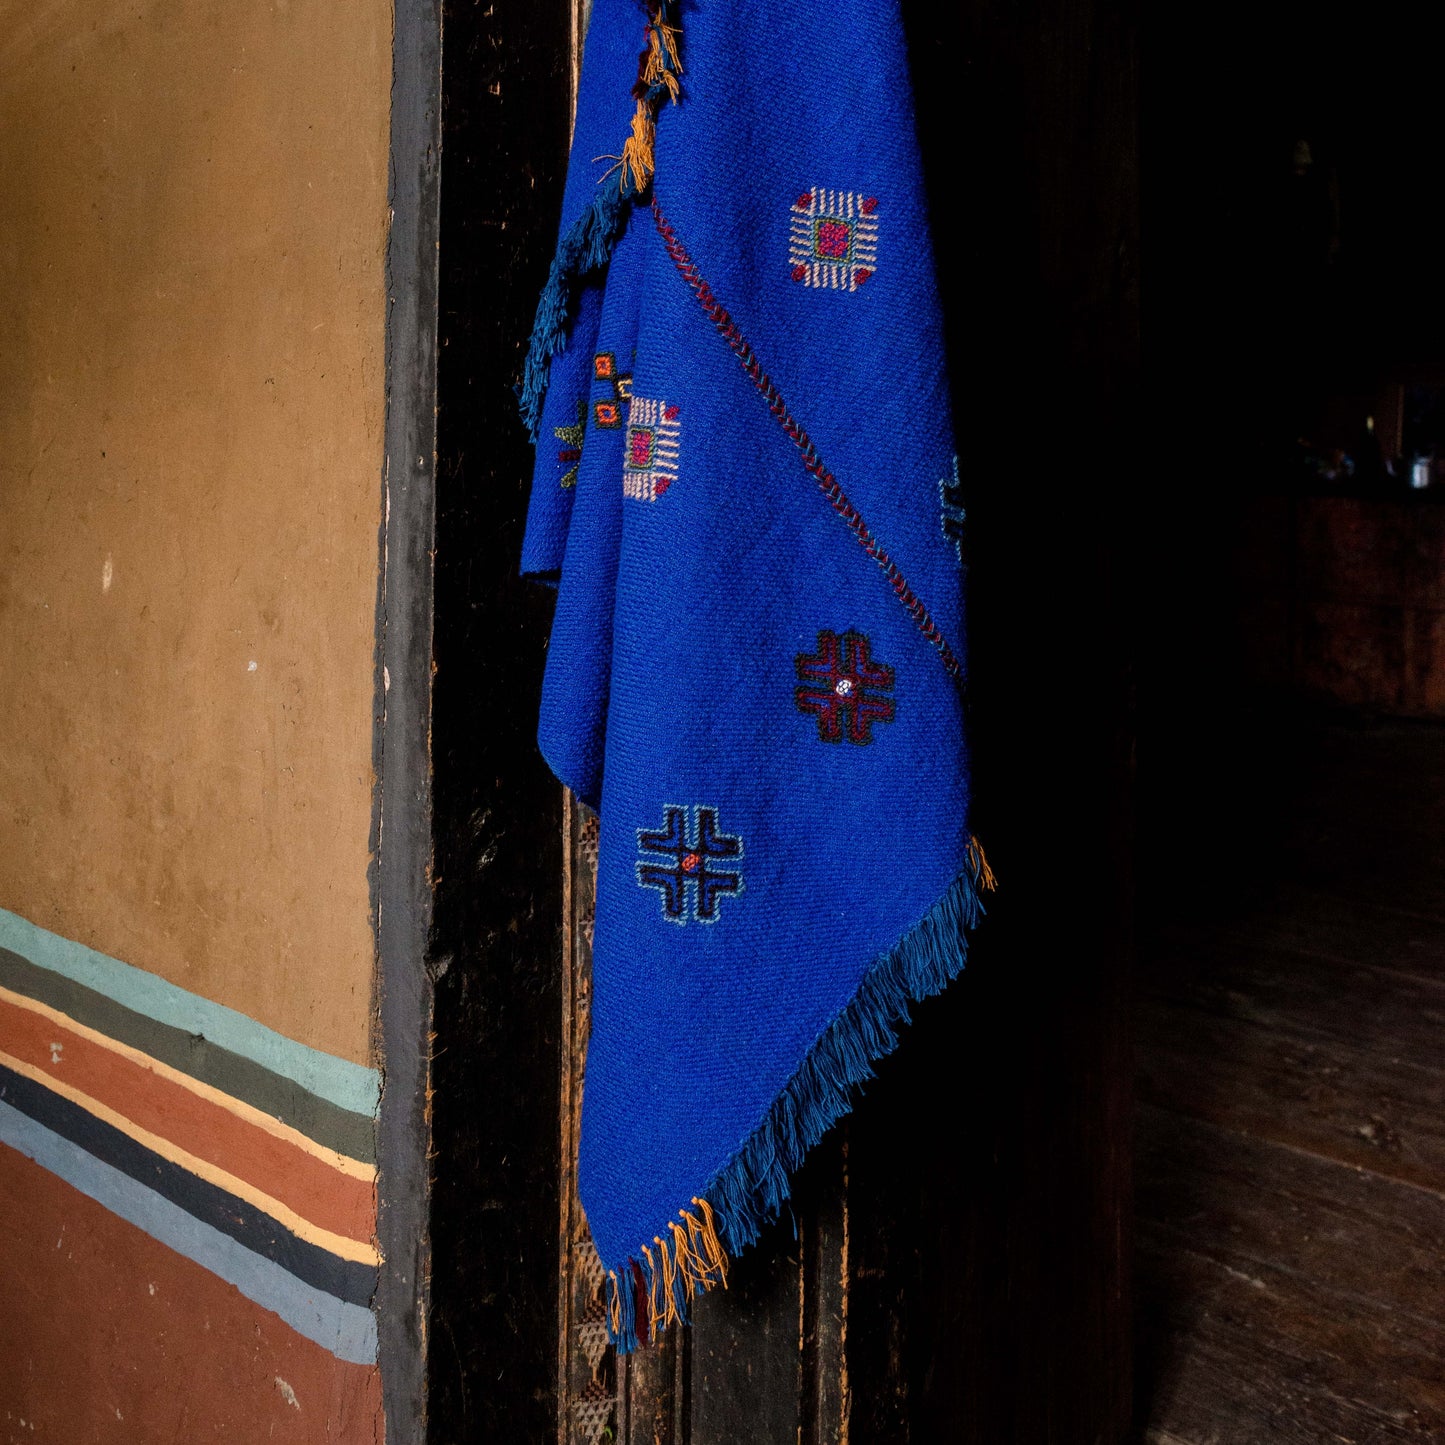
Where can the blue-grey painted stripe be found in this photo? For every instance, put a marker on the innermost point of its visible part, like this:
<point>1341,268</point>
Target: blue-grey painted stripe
<point>347,1279</point>
<point>350,1086</point>
<point>348,1331</point>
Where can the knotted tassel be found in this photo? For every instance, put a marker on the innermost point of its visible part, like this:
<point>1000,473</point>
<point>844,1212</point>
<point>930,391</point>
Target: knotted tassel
<point>592,237</point>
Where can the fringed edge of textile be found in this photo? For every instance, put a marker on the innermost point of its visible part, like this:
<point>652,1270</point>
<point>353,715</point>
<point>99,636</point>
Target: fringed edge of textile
<point>657,1289</point>
<point>592,237</point>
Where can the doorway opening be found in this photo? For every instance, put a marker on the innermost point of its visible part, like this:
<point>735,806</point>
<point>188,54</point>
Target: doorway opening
<point>1290,1166</point>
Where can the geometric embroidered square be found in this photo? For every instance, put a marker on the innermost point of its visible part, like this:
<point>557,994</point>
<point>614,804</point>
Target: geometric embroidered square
<point>649,465</point>
<point>833,239</point>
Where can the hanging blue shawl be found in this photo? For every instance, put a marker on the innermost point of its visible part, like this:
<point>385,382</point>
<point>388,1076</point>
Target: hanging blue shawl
<point>747,490</point>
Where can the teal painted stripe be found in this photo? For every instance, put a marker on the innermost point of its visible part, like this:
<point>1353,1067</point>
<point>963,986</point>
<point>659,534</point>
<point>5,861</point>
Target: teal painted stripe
<point>350,1086</point>
<point>348,1331</point>
<point>243,1079</point>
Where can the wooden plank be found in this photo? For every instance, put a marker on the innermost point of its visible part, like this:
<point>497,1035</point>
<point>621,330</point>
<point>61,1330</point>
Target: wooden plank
<point>401,874</point>
<point>1288,1297</point>
<point>1308,996</point>
<point>827,1286</point>
<point>496,950</point>
<point>1260,1205</point>
<point>884,1252</point>
<point>655,1392</point>
<point>1364,1106</point>
<point>1249,1354</point>
<point>747,1358</point>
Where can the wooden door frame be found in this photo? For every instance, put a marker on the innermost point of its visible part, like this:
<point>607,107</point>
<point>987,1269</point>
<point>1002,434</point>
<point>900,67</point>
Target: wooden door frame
<point>468,834</point>
<point>401,830</point>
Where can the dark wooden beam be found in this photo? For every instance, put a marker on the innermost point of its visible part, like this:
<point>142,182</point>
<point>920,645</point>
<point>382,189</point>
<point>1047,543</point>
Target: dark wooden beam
<point>496,945</point>
<point>401,843</point>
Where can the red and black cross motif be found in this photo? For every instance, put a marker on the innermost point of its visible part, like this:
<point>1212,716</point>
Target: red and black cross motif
<point>608,412</point>
<point>840,687</point>
<point>684,867</point>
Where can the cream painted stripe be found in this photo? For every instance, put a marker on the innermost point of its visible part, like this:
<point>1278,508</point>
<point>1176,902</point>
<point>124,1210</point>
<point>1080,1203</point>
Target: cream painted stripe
<point>337,1244</point>
<point>347,1330</point>
<point>353,1168</point>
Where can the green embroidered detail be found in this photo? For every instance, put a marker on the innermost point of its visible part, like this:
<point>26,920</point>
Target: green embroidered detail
<point>571,439</point>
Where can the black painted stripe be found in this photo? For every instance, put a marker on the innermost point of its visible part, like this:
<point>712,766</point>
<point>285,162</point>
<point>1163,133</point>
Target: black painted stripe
<point>319,1119</point>
<point>248,1225</point>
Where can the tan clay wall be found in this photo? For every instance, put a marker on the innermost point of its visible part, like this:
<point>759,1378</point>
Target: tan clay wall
<point>192,224</point>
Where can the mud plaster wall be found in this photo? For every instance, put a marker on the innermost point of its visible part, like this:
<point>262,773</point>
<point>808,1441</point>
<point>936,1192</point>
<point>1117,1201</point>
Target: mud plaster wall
<point>191,394</point>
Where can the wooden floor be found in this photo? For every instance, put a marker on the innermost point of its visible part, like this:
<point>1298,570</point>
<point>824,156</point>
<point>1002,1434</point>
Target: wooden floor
<point>1291,1137</point>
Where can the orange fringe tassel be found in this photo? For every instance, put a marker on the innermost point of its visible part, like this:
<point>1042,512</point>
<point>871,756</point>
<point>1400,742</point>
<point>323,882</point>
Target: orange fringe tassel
<point>614,1304</point>
<point>660,63</point>
<point>976,860</point>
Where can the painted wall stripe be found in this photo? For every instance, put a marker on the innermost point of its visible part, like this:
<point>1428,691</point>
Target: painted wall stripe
<point>348,1331</point>
<point>341,1245</point>
<point>348,1085</point>
<point>343,1164</point>
<point>250,1226</point>
<point>347,1132</point>
<point>186,1121</point>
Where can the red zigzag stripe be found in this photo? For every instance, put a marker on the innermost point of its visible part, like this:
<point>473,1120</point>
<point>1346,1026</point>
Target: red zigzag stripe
<point>828,484</point>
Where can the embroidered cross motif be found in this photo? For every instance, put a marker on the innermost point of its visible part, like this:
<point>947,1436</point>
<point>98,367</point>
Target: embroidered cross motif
<point>841,686</point>
<point>833,239</point>
<point>607,413</point>
<point>682,866</point>
<point>649,466</point>
<point>571,439</point>
<point>951,502</point>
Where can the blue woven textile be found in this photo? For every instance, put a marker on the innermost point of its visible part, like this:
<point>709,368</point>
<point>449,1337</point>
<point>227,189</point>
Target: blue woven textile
<point>747,490</point>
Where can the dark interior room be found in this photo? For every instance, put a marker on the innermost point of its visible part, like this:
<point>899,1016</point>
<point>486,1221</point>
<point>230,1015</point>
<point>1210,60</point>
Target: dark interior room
<point>1291,669</point>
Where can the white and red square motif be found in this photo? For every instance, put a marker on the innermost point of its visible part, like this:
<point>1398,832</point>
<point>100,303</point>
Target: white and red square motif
<point>649,465</point>
<point>833,240</point>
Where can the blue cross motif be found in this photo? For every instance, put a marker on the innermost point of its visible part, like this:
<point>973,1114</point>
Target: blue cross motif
<point>673,859</point>
<point>951,496</point>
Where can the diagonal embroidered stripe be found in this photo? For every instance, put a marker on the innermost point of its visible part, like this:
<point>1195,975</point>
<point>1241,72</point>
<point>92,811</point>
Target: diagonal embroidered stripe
<point>828,484</point>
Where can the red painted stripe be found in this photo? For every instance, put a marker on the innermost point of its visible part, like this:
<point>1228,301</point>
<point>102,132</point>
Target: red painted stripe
<point>107,1335</point>
<point>828,484</point>
<point>161,1106</point>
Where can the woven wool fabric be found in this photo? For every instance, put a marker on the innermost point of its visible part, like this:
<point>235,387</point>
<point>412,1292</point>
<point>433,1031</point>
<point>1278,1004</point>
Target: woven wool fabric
<point>747,490</point>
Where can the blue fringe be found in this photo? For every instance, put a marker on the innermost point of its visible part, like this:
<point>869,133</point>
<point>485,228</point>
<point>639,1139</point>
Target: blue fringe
<point>586,247</point>
<point>626,1295</point>
<point>748,1192</point>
